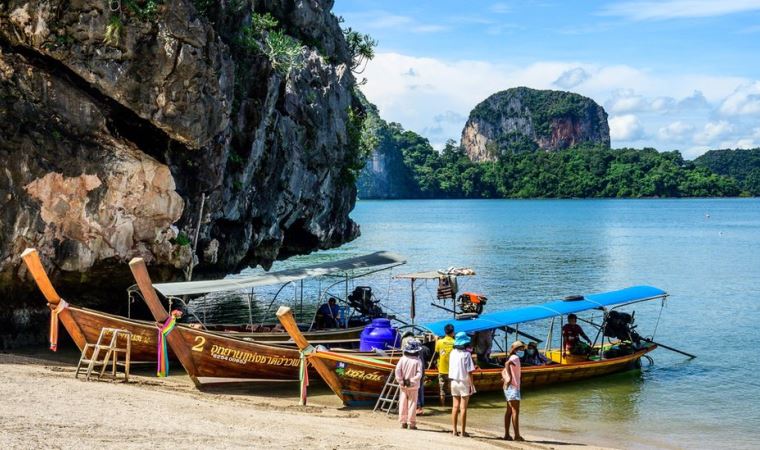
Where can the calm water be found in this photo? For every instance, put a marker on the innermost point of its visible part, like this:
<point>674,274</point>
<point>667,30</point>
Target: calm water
<point>705,253</point>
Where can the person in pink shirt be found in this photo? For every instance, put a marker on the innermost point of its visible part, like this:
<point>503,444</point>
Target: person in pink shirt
<point>408,376</point>
<point>511,376</point>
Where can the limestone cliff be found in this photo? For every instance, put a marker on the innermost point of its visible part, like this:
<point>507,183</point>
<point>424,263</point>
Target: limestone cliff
<point>523,119</point>
<point>116,118</point>
<point>386,174</point>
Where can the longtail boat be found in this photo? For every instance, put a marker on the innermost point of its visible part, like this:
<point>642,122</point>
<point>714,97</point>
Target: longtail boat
<point>84,325</point>
<point>211,358</point>
<point>358,380</point>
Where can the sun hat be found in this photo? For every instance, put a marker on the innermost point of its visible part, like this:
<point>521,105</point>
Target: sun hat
<point>461,339</point>
<point>515,345</point>
<point>412,346</point>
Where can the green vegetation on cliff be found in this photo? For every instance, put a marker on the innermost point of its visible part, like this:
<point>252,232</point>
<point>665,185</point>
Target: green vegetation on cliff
<point>742,165</point>
<point>578,172</point>
<point>543,106</point>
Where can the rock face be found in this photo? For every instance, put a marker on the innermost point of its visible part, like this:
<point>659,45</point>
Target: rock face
<point>114,125</point>
<point>523,119</point>
<point>385,174</point>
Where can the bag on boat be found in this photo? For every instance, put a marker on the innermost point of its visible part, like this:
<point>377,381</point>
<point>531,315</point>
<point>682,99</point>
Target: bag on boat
<point>447,287</point>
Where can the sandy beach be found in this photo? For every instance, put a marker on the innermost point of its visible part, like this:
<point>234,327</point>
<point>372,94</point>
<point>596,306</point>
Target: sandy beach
<point>43,406</point>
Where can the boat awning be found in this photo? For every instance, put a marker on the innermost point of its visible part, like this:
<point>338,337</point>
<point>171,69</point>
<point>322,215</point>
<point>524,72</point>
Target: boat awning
<point>544,311</point>
<point>373,260</point>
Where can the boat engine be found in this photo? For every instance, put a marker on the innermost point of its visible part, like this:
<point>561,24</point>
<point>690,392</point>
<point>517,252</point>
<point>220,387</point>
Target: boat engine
<point>362,300</point>
<point>619,325</point>
<point>470,303</point>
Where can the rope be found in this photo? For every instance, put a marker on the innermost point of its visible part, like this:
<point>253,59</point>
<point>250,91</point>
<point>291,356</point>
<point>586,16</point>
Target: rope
<point>54,324</point>
<point>162,369</point>
<point>303,372</point>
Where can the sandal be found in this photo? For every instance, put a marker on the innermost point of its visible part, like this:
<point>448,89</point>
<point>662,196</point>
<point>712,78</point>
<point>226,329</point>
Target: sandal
<point>519,439</point>
<point>465,434</point>
<point>412,427</point>
<point>403,425</point>
<point>507,437</point>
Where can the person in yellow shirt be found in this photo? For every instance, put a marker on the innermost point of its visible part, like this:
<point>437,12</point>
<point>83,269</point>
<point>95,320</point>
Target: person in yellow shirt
<point>443,347</point>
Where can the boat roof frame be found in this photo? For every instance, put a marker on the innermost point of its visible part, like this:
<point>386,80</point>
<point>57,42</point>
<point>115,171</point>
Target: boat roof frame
<point>556,308</point>
<point>381,259</point>
<point>431,275</point>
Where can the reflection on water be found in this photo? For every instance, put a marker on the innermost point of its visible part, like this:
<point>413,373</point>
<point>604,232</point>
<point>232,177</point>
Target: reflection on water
<point>528,252</point>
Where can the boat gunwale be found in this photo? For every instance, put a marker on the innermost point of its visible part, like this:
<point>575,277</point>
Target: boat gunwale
<point>382,365</point>
<point>221,334</point>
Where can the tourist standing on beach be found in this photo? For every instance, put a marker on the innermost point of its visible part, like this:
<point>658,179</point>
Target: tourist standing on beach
<point>511,376</point>
<point>425,358</point>
<point>460,377</point>
<point>443,347</point>
<point>408,375</point>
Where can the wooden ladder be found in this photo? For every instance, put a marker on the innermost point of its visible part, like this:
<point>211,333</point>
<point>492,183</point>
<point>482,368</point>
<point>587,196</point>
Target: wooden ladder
<point>111,352</point>
<point>388,400</point>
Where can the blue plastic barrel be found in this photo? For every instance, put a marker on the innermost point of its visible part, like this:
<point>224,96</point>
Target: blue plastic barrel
<point>378,335</point>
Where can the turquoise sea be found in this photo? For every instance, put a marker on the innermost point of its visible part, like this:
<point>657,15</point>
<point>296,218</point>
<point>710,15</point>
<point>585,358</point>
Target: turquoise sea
<point>704,252</point>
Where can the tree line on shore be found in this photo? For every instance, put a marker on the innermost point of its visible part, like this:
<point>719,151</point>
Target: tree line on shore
<point>416,170</point>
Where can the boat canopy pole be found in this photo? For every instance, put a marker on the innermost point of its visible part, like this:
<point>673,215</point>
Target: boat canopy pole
<point>550,336</point>
<point>599,333</point>
<point>412,310</point>
<point>250,309</point>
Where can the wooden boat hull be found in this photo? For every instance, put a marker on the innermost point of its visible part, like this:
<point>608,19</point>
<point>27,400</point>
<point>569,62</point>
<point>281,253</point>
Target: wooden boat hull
<point>144,333</point>
<point>362,379</point>
<point>89,323</point>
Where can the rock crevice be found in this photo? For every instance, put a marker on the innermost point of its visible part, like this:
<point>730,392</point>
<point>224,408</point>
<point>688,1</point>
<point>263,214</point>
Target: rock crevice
<point>107,149</point>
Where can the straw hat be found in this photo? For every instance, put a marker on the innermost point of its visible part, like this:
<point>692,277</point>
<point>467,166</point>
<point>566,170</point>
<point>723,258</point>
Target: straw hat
<point>515,345</point>
<point>461,339</point>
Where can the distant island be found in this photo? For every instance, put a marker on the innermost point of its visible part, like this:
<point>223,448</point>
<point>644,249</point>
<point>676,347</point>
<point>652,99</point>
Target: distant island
<point>527,143</point>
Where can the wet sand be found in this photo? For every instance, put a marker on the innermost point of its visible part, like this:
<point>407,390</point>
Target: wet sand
<point>42,405</point>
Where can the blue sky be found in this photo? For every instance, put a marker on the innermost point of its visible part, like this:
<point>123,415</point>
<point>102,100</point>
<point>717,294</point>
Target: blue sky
<point>672,74</point>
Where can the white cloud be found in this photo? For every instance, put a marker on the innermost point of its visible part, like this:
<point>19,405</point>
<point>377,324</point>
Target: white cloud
<point>417,92</point>
<point>626,128</point>
<point>675,131</point>
<point>571,78</point>
<point>379,20</point>
<point>677,9</point>
<point>626,100</point>
<point>500,8</point>
<point>385,20</point>
<point>713,132</point>
<point>429,28</point>
<point>745,143</point>
<point>745,100</point>
<point>694,101</point>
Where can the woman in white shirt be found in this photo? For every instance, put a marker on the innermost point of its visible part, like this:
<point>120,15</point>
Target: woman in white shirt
<point>460,375</point>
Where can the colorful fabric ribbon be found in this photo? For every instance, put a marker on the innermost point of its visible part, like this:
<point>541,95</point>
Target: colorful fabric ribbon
<point>54,324</point>
<point>303,377</point>
<point>162,369</point>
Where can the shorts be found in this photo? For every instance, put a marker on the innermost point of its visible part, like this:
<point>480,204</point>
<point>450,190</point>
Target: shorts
<point>512,393</point>
<point>460,388</point>
<point>443,384</point>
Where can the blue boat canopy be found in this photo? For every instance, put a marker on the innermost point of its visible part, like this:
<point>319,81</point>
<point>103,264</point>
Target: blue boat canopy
<point>551,309</point>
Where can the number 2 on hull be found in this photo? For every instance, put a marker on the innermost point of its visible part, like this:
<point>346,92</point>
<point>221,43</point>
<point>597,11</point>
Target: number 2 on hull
<point>200,341</point>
